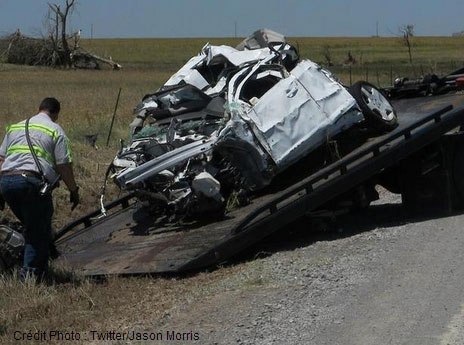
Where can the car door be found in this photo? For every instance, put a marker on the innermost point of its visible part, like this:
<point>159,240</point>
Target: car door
<point>299,113</point>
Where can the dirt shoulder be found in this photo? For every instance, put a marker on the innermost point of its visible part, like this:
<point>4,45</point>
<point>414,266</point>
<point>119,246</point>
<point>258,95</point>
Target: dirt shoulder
<point>399,282</point>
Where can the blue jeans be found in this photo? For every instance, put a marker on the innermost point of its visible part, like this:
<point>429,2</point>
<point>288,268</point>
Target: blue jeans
<point>35,213</point>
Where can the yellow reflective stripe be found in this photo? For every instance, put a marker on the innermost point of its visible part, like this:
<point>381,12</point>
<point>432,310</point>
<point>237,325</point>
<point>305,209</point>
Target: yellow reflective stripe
<point>40,152</point>
<point>68,149</point>
<point>45,129</point>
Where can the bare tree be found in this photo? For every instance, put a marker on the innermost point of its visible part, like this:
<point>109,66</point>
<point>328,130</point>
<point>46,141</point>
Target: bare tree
<point>350,60</point>
<point>407,31</point>
<point>58,49</point>
<point>327,54</point>
<point>59,20</point>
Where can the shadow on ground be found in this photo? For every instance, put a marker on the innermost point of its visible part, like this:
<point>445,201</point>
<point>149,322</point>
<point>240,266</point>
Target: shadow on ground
<point>306,231</point>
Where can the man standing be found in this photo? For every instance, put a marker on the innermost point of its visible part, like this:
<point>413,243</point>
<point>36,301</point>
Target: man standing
<point>21,179</point>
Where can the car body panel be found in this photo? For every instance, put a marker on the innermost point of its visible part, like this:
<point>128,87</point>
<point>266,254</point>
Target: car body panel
<point>301,111</point>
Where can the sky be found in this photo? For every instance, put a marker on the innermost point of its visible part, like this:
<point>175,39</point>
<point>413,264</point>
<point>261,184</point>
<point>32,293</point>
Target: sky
<point>227,18</point>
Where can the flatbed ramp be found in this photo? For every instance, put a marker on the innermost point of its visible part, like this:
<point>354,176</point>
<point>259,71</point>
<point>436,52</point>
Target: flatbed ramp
<point>129,242</point>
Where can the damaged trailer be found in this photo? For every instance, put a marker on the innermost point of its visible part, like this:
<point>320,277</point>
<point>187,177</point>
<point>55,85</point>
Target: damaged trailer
<point>215,166</point>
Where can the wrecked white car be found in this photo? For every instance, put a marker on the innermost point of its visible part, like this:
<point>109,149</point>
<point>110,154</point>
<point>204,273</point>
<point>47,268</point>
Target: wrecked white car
<point>229,121</point>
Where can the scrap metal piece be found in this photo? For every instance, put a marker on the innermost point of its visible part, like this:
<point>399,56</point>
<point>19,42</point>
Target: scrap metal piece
<point>205,184</point>
<point>261,39</point>
<point>131,177</point>
<point>11,247</point>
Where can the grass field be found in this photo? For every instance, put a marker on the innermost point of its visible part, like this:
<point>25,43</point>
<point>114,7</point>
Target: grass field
<point>88,99</point>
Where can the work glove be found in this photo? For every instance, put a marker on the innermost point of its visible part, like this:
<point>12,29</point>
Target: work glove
<point>74,198</point>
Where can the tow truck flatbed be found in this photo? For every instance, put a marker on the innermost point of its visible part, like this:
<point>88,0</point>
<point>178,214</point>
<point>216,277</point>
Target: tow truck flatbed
<point>129,241</point>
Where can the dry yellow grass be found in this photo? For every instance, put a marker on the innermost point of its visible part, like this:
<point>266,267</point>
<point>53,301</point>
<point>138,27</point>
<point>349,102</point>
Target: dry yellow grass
<point>72,303</point>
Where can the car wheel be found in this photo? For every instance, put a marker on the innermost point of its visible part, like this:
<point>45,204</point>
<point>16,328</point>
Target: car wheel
<point>377,109</point>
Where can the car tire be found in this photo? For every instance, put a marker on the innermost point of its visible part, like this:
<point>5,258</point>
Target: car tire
<point>378,112</point>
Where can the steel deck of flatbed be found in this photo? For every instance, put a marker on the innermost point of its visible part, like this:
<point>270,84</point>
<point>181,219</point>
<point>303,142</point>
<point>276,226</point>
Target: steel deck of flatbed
<point>129,242</point>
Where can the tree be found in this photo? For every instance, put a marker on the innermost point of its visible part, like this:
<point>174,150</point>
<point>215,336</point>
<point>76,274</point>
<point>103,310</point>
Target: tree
<point>59,20</point>
<point>407,31</point>
<point>327,54</point>
<point>58,49</point>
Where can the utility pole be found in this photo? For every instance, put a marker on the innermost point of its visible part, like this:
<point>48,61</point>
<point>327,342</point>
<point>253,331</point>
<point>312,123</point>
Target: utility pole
<point>377,29</point>
<point>235,29</point>
<point>91,31</point>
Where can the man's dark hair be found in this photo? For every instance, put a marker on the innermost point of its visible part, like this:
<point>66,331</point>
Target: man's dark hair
<point>51,104</point>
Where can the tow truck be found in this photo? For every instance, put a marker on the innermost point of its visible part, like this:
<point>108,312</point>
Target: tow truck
<point>423,159</point>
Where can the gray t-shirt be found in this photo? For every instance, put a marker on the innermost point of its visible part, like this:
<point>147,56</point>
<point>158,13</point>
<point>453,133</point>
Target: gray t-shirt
<point>50,144</point>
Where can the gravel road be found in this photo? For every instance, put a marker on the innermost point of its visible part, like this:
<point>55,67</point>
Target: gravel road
<point>380,277</point>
